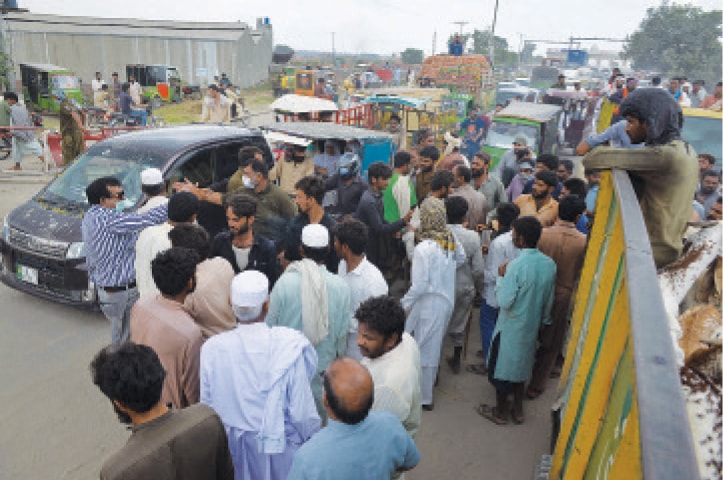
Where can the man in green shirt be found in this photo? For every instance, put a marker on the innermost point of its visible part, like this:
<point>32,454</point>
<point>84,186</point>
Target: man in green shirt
<point>400,194</point>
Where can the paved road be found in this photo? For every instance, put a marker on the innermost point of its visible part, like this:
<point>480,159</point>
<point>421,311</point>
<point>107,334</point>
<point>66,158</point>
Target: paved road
<point>56,424</point>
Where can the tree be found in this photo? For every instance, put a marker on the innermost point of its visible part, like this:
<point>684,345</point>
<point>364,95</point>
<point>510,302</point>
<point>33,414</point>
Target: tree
<point>413,56</point>
<point>481,43</point>
<point>678,40</point>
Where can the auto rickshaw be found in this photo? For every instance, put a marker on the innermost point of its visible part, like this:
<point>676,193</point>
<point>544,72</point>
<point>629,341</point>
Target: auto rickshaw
<point>703,129</point>
<point>160,83</point>
<point>539,123</point>
<point>42,81</point>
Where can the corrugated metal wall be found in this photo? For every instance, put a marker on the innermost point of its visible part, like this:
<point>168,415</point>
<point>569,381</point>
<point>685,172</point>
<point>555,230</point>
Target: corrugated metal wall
<point>245,59</point>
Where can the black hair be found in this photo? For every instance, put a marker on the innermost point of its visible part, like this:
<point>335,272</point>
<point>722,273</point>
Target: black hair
<point>313,187</point>
<point>152,190</point>
<point>430,151</point>
<point>396,117</point>
<point>383,314</point>
<point>709,173</point>
<point>655,81</point>
<point>241,205</point>
<point>98,189</point>
<point>465,172</point>
<point>10,96</point>
<point>570,208</point>
<point>569,166</point>
<point>402,158</point>
<point>125,86</point>
<point>352,233</point>
<point>173,268</point>
<point>245,154</point>
<point>576,186</point>
<point>259,166</point>
<point>456,208</point>
<point>709,158</point>
<point>104,86</point>
<point>441,179</point>
<point>182,206</point>
<point>340,411</point>
<point>507,212</point>
<point>548,177</point>
<point>379,170</point>
<point>529,228</point>
<point>193,237</point>
<point>484,156</point>
<point>130,374</point>
<point>317,254</point>
<point>549,160</point>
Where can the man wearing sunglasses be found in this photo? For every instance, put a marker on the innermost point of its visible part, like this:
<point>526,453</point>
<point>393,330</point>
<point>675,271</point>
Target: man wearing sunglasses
<point>109,237</point>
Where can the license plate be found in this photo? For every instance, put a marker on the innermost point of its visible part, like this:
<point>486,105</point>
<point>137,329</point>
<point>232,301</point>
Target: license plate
<point>27,274</point>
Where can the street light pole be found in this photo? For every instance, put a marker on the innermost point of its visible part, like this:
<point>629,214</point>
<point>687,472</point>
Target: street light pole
<point>492,36</point>
<point>333,51</point>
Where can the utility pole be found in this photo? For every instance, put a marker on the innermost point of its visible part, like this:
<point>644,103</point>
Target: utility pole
<point>434,42</point>
<point>492,36</point>
<point>333,51</point>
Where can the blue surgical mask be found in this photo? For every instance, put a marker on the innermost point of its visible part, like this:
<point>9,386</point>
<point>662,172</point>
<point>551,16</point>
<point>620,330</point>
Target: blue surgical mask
<point>248,183</point>
<point>123,204</point>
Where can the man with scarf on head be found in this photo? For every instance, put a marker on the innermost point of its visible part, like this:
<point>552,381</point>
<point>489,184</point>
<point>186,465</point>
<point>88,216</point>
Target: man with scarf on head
<point>664,172</point>
<point>430,299</point>
<point>292,167</point>
<point>314,301</point>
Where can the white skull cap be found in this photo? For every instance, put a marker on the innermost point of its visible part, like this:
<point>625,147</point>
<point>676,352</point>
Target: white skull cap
<point>249,289</point>
<point>315,236</point>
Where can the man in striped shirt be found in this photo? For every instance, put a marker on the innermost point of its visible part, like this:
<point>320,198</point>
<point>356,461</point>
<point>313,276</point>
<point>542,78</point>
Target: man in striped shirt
<point>110,238</point>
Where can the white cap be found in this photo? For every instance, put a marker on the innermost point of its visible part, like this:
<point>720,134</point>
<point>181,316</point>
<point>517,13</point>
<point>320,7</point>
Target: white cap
<point>249,289</point>
<point>315,236</point>
<point>151,176</point>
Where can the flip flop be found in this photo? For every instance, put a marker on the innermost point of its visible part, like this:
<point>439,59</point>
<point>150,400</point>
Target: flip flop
<point>479,369</point>
<point>533,393</point>
<point>490,413</point>
<point>517,420</point>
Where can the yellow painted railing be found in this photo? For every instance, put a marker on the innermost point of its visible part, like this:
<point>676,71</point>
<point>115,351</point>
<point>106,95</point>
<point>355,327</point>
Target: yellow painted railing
<point>623,414</point>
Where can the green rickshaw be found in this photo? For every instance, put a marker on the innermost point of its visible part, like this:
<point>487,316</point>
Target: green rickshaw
<point>41,82</point>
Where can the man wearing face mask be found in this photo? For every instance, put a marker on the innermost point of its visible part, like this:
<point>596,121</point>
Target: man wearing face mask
<point>162,323</point>
<point>294,166</point>
<point>348,185</point>
<point>241,245</point>
<point>518,182</point>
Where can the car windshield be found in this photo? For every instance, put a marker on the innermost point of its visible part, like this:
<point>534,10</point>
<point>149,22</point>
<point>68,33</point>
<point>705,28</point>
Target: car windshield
<point>502,134</point>
<point>122,163</point>
<point>704,133</point>
<point>65,81</point>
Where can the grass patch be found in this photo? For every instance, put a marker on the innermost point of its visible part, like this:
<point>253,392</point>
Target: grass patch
<point>185,112</point>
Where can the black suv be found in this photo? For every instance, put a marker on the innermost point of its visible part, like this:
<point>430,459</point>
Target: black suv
<point>42,247</point>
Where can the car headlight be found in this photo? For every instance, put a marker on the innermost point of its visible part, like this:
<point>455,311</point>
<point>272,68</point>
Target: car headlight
<point>76,250</point>
<point>6,230</point>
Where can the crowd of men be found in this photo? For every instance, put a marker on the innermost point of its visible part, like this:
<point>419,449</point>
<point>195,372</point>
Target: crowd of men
<point>275,348</point>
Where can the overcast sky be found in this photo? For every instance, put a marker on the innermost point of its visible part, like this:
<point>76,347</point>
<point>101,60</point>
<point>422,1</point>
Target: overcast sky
<point>386,26</point>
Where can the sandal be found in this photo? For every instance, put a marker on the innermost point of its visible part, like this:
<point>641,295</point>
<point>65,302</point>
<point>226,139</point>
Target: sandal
<point>490,413</point>
<point>517,420</point>
<point>478,369</point>
<point>533,393</point>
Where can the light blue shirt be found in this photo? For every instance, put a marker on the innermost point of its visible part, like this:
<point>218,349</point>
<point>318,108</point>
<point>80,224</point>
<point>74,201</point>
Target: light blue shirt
<point>285,310</point>
<point>373,449</point>
<point>525,295</point>
<point>615,134</point>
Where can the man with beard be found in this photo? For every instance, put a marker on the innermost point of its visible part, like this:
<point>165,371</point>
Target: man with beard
<point>564,170</point>
<point>664,171</point>
<point>185,444</point>
<point>476,201</point>
<point>292,167</point>
<point>162,323</point>
<point>371,212</point>
<point>709,190</point>
<point>483,182</point>
<point>716,211</point>
<point>241,246</point>
<point>392,358</point>
<point>309,195</point>
<point>540,203</point>
<point>428,156</point>
<point>507,167</point>
<point>550,162</point>
<point>314,301</point>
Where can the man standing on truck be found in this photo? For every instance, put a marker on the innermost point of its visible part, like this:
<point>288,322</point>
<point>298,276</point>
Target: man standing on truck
<point>664,171</point>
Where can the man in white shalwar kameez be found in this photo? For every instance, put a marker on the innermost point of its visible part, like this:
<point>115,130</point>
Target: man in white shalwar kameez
<point>257,378</point>
<point>430,299</point>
